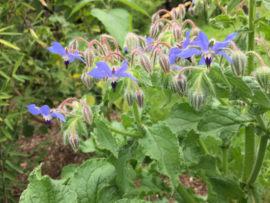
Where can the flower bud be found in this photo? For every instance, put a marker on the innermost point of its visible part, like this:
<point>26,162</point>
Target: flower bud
<point>87,113</point>
<point>89,57</point>
<point>241,103</point>
<point>174,13</point>
<point>182,10</point>
<point>140,98</point>
<point>129,98</point>
<point>191,11</point>
<point>196,99</point>
<point>73,45</point>
<point>155,18</point>
<point>239,63</point>
<point>74,141</point>
<point>164,63</point>
<point>195,31</point>
<point>88,80</point>
<point>177,32</point>
<point>180,84</point>
<point>159,27</point>
<point>153,31</point>
<point>245,9</point>
<point>262,76</point>
<point>146,63</point>
<point>132,42</point>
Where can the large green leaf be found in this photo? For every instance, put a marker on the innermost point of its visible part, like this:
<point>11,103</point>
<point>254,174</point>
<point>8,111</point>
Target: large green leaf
<point>91,179</point>
<point>42,189</point>
<point>116,22</point>
<point>232,4</point>
<point>131,201</point>
<point>222,21</point>
<point>104,136</point>
<point>78,6</point>
<point>134,4</point>
<point>161,144</point>
<point>264,26</point>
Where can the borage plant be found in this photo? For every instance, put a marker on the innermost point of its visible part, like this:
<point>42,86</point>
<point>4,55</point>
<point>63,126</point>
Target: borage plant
<point>220,100</point>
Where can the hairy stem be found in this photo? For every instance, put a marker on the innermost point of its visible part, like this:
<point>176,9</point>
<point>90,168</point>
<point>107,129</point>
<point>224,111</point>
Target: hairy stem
<point>249,152</point>
<point>108,111</point>
<point>184,194</point>
<point>257,56</point>
<point>137,117</point>
<point>125,132</point>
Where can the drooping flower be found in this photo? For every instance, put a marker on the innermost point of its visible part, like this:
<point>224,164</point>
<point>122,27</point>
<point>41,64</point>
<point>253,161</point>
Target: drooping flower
<point>113,75</point>
<point>180,48</point>
<point>208,50</point>
<point>45,113</point>
<point>67,56</point>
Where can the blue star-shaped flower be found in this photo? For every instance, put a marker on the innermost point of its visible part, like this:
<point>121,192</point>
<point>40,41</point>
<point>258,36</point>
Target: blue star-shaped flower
<point>113,75</point>
<point>177,50</point>
<point>208,50</point>
<point>45,113</point>
<point>67,56</point>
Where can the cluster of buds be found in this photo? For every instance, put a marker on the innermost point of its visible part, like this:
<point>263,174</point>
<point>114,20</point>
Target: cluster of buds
<point>239,63</point>
<point>138,97</point>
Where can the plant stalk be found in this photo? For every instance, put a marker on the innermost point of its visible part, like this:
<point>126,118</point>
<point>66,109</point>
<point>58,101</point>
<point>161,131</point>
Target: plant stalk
<point>249,152</point>
<point>225,160</point>
<point>137,117</point>
<point>251,35</point>
<point>125,132</point>
<point>184,194</point>
<point>2,172</point>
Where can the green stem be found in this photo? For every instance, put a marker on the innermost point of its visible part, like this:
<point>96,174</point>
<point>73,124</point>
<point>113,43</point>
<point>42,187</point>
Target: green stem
<point>249,152</point>
<point>222,102</point>
<point>136,112</point>
<point>259,161</point>
<point>184,194</point>
<point>225,160</point>
<point>124,132</point>
<point>205,150</point>
<point>108,111</point>
<point>251,34</point>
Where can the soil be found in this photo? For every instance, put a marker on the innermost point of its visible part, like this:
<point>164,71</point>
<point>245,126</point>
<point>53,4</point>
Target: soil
<point>59,155</point>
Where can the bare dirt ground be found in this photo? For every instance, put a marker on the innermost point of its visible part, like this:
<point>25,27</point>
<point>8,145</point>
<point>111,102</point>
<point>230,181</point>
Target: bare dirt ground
<point>59,155</point>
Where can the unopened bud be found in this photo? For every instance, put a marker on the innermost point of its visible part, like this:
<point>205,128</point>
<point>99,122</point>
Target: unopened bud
<point>132,42</point>
<point>153,31</point>
<point>140,98</point>
<point>239,63</point>
<point>129,98</point>
<point>191,11</point>
<point>174,13</point>
<point>180,84</point>
<point>88,80</point>
<point>87,113</point>
<point>155,18</point>
<point>262,76</point>
<point>164,63</point>
<point>245,9</point>
<point>73,45</point>
<point>74,141</point>
<point>198,7</point>
<point>196,99</point>
<point>89,57</point>
<point>159,27</point>
<point>177,32</point>
<point>195,31</point>
<point>146,63</point>
<point>241,103</point>
<point>182,10</point>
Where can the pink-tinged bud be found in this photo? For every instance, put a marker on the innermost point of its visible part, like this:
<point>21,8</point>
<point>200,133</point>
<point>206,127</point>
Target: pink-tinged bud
<point>183,11</point>
<point>159,27</point>
<point>74,141</point>
<point>155,18</point>
<point>239,63</point>
<point>87,113</point>
<point>180,84</point>
<point>164,63</point>
<point>73,45</point>
<point>140,98</point>
<point>174,13</point>
<point>177,32</point>
<point>195,31</point>
<point>155,54</point>
<point>89,57</point>
<point>88,80</point>
<point>146,63</point>
<point>132,42</point>
<point>153,31</point>
<point>129,98</point>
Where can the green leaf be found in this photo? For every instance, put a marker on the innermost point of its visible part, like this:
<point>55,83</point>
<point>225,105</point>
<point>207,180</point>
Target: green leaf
<point>168,93</point>
<point>232,4</point>
<point>87,146</point>
<point>116,22</point>
<point>104,137</point>
<point>216,72</point>
<point>42,189</point>
<point>6,57</point>
<point>242,17</point>
<point>79,6</point>
<point>17,64</point>
<point>191,138</point>
<point>18,154</point>
<point>43,130</point>
<point>264,26</point>
<point>222,21</point>
<point>9,44</point>
<point>4,75</point>
<point>28,130</point>
<point>14,167</point>
<point>3,139</point>
<point>127,120</point>
<point>142,76</point>
<point>7,121</point>
<point>81,128</point>
<point>2,103</point>
<point>134,4</point>
<point>161,144</point>
<point>131,201</point>
<point>184,118</point>
<point>90,179</point>
<point>66,174</point>
<point>6,133</point>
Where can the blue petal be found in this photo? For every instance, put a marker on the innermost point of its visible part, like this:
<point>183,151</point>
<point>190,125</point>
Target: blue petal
<point>202,61</point>
<point>102,66</point>
<point>221,45</point>
<point>57,49</point>
<point>189,52</point>
<point>123,68</point>
<point>128,76</point>
<point>126,49</point>
<point>96,73</point>
<point>58,115</point>
<point>202,41</point>
<point>173,54</point>
<point>76,56</point>
<point>186,42</point>
<point>224,54</point>
<point>33,109</point>
<point>176,67</point>
<point>230,37</point>
<point>149,39</point>
<point>45,109</point>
